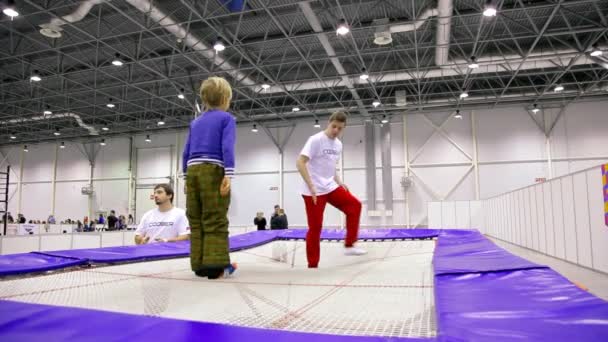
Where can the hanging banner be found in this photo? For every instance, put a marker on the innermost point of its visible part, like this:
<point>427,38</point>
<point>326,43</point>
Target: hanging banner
<point>605,191</point>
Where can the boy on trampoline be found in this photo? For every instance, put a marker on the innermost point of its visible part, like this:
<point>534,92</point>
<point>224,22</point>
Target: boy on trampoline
<point>322,185</point>
<point>208,162</point>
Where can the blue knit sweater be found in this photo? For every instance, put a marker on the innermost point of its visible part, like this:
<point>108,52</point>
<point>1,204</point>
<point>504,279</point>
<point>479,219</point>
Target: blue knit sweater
<point>211,140</point>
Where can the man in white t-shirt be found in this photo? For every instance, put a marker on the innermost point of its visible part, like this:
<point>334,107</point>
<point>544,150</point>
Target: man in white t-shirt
<point>322,185</point>
<point>165,223</point>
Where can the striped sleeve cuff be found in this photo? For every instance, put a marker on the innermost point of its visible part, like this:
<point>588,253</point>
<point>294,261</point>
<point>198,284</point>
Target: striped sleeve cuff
<point>229,172</point>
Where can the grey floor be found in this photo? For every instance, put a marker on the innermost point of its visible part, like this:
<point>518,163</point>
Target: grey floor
<point>597,282</point>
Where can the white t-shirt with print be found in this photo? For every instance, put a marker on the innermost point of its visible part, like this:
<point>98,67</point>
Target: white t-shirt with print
<point>164,225</point>
<point>324,154</point>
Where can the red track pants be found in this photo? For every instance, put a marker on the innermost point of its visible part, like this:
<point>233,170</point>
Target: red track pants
<point>343,201</point>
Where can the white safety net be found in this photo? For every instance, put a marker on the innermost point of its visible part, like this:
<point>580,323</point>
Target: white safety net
<point>388,292</point>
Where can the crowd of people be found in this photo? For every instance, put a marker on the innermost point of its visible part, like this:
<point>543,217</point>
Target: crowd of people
<point>111,222</point>
<point>278,220</point>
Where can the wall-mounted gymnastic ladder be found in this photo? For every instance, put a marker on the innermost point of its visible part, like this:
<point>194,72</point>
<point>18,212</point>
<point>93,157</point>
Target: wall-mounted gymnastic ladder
<point>4,178</point>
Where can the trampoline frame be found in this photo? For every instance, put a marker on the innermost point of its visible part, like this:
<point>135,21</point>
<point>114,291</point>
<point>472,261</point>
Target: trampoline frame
<point>469,271</point>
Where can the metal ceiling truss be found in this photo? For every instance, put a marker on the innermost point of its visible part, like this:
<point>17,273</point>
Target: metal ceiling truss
<point>524,52</point>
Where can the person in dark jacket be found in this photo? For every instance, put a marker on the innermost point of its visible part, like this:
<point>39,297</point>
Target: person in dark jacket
<point>112,220</point>
<point>260,221</point>
<point>275,213</point>
<point>279,221</point>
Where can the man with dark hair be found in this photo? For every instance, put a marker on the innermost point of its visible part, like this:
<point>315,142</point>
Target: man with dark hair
<point>322,185</point>
<point>276,211</point>
<point>165,223</point>
<point>112,219</point>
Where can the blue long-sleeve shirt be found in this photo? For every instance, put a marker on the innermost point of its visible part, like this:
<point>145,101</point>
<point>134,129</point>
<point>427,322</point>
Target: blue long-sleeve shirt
<point>211,140</point>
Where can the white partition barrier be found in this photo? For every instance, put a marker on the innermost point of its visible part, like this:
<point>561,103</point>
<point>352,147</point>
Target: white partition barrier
<point>19,244</point>
<point>455,215</point>
<point>90,240</point>
<point>56,242</point>
<point>563,217</point>
<point>112,239</point>
<point>53,242</point>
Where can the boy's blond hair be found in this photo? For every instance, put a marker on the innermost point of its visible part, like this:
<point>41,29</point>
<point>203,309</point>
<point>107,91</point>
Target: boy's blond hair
<point>215,92</point>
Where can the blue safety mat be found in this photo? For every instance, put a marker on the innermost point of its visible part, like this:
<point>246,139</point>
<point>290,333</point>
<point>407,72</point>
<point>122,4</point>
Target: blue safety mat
<point>20,322</point>
<point>517,305</point>
<point>13,264</point>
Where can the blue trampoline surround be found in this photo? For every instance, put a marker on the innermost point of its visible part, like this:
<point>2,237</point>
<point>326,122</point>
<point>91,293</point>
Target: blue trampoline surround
<point>24,263</point>
<point>482,293</point>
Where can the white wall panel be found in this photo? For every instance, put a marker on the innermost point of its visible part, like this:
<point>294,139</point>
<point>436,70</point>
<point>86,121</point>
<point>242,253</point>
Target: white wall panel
<point>440,150</point>
<point>55,242</point>
<point>143,203</point>
<point>86,240</point>
<point>128,238</point>
<point>434,215</point>
<point>111,239</point>
<point>521,218</point>
<point>576,166</point>
<point>113,159</point>
<point>534,218</point>
<point>256,152</point>
<point>111,195</point>
<point>540,206</point>
<point>440,179</point>
<point>20,244</point>
<point>581,215</point>
<point>526,220</point>
<point>587,124</point>
<point>293,202</point>
<point>11,156</point>
<point>599,230</point>
<point>549,218</point>
<point>70,202</point>
<point>398,190</point>
<point>515,224</point>
<point>497,179</point>
<point>477,216</point>
<point>503,218</point>
<point>519,137</point>
<point>13,199</point>
<point>72,164</point>
<point>448,214</point>
<point>560,168</point>
<point>180,195</point>
<point>466,189</point>
<point>153,162</point>
<point>397,144</point>
<point>513,218</point>
<point>499,217</point>
<point>558,219</point>
<point>495,217</point>
<point>508,217</point>
<point>463,214</point>
<point>569,220</point>
<point>559,135</point>
<point>252,193</point>
<point>36,201</point>
<point>460,131</point>
<point>38,163</point>
<point>418,131</point>
<point>353,145</point>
